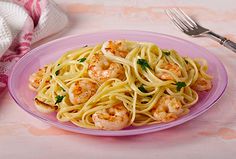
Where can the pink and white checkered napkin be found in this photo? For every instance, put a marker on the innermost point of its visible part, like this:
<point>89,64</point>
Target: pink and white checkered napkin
<point>23,22</point>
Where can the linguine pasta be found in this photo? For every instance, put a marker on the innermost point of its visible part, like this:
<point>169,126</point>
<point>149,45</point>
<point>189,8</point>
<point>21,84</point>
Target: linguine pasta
<point>117,84</point>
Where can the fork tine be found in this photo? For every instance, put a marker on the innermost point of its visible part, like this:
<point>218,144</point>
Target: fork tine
<point>185,23</point>
<point>183,19</point>
<point>176,20</point>
<point>190,20</point>
<point>173,20</point>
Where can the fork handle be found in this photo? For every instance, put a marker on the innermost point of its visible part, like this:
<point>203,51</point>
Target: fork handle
<point>230,45</point>
<point>222,40</point>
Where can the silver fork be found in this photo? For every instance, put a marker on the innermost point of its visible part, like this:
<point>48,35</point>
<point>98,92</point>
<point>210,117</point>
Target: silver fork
<point>192,28</point>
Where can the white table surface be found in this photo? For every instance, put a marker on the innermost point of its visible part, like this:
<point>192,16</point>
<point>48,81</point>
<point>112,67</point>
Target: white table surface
<point>211,135</point>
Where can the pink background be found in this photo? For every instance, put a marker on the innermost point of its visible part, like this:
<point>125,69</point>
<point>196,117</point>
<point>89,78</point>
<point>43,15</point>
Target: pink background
<point>212,135</point>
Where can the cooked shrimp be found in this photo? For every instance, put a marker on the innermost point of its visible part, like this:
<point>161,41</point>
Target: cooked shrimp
<point>36,78</point>
<point>114,118</point>
<point>167,108</point>
<point>202,84</point>
<point>118,48</point>
<point>101,69</point>
<point>44,106</point>
<point>170,67</point>
<point>81,91</point>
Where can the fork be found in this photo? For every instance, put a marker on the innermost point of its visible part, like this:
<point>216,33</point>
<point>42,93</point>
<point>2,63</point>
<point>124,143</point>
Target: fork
<point>192,28</point>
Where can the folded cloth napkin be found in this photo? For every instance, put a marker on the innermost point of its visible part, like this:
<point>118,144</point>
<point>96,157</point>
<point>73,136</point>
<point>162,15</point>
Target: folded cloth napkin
<point>23,22</point>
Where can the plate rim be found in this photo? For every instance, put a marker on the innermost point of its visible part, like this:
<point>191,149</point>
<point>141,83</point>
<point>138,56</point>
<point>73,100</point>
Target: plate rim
<point>118,132</point>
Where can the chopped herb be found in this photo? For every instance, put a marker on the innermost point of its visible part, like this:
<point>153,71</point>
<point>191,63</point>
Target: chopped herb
<point>144,64</point>
<point>82,59</point>
<point>59,99</point>
<point>85,46</point>
<point>63,89</point>
<point>142,89</point>
<point>50,76</point>
<point>166,52</point>
<point>186,61</point>
<point>57,72</point>
<point>180,85</point>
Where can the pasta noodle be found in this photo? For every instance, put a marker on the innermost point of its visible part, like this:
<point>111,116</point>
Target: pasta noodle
<point>118,84</point>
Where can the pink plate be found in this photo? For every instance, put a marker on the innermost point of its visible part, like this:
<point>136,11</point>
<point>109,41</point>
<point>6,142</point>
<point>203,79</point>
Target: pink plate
<point>47,53</point>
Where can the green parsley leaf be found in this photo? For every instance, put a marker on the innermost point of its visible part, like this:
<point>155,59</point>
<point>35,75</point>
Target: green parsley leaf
<point>180,85</point>
<point>58,64</point>
<point>57,72</point>
<point>63,89</point>
<point>144,64</point>
<point>166,52</point>
<point>186,61</point>
<point>142,89</point>
<point>59,99</point>
<point>82,59</point>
